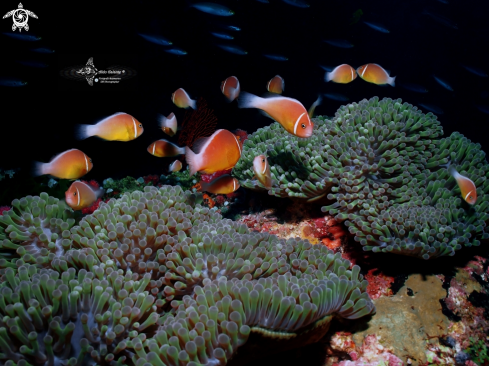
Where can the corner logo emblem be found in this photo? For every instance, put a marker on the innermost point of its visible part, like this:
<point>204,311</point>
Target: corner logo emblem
<point>89,71</point>
<point>20,17</point>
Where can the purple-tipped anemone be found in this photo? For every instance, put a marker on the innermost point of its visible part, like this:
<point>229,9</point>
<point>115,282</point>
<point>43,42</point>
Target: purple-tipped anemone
<point>151,280</point>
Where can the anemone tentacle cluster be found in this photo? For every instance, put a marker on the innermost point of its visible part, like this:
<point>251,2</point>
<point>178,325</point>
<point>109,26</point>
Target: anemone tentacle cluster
<point>382,165</point>
<point>149,279</point>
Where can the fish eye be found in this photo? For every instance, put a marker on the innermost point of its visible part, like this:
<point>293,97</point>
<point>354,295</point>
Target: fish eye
<point>74,193</point>
<point>263,160</point>
<point>90,160</point>
<point>140,125</point>
<point>303,125</point>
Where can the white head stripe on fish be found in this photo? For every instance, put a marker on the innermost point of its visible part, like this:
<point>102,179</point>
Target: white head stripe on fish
<point>351,70</point>
<point>237,142</point>
<point>234,185</point>
<point>154,147</point>
<point>173,97</point>
<point>467,195</point>
<point>365,69</point>
<point>265,167</point>
<point>297,123</point>
<point>86,162</point>
<point>268,85</point>
<point>224,85</point>
<point>78,192</point>
<point>135,129</point>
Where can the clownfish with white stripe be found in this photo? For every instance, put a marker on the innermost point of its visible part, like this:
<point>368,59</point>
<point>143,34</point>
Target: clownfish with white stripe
<point>225,184</point>
<point>375,74</point>
<point>81,195</point>
<point>230,88</point>
<point>71,164</point>
<point>466,185</point>
<point>220,151</point>
<point>342,74</point>
<point>182,100</point>
<point>165,149</point>
<point>290,113</point>
<point>262,171</point>
<point>118,127</point>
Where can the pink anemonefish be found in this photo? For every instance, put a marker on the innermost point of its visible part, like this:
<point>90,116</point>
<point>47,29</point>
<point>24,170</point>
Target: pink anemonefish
<point>175,166</point>
<point>225,184</point>
<point>220,151</point>
<point>375,74</point>
<point>81,195</point>
<point>276,85</point>
<point>71,164</point>
<point>164,149</point>
<point>168,124</point>
<point>466,185</point>
<point>290,113</point>
<point>230,88</point>
<point>262,171</point>
<point>182,100</point>
<point>342,74</point>
<point>118,127</point>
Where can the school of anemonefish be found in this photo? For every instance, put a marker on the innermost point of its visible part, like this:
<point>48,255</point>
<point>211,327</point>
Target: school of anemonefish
<point>222,150</point>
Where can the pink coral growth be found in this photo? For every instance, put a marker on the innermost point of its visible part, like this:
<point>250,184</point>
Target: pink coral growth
<point>473,323</point>
<point>373,354</point>
<point>3,209</point>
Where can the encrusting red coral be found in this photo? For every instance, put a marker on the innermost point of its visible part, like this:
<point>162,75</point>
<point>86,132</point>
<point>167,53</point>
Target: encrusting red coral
<point>3,208</point>
<point>154,179</point>
<point>378,284</point>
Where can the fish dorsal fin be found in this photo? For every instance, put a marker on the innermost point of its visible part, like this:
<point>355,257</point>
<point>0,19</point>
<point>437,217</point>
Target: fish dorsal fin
<point>199,144</point>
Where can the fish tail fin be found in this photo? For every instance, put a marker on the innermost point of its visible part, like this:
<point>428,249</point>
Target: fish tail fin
<point>83,131</point>
<point>193,104</point>
<point>248,100</point>
<point>314,105</point>
<point>328,76</point>
<point>38,168</point>
<point>99,192</point>
<point>161,120</point>
<point>392,81</point>
<point>191,159</point>
<point>182,150</point>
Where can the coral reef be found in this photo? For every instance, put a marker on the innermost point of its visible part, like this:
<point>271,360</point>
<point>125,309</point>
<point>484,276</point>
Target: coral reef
<point>181,178</point>
<point>152,278</point>
<point>197,123</point>
<point>382,167</point>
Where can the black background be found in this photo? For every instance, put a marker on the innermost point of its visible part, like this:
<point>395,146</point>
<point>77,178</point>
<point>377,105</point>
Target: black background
<point>37,120</point>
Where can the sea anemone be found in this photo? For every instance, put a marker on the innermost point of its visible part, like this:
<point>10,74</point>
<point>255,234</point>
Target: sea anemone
<point>36,228</point>
<point>152,279</point>
<point>371,156</point>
